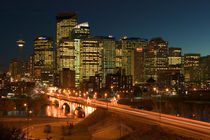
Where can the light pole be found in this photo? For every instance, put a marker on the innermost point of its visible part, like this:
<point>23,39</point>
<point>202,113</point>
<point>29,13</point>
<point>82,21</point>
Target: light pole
<point>105,96</point>
<point>155,89</point>
<point>25,105</point>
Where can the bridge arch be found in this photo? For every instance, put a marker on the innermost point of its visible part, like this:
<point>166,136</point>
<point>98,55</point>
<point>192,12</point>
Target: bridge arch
<point>66,108</point>
<point>79,112</point>
<point>56,103</point>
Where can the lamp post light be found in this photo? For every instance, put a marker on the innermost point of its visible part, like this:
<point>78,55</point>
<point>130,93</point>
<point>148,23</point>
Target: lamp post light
<point>27,113</point>
<point>112,89</point>
<point>118,97</point>
<point>105,96</point>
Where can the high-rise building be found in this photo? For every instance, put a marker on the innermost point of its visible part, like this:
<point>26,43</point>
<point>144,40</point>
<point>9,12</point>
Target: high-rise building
<point>156,58</point>
<point>26,69</point>
<point>130,57</point>
<point>175,57</point>
<point>67,78</point>
<point>90,58</point>
<point>43,62</point>
<point>65,22</point>
<point>20,44</point>
<point>79,32</point>
<point>65,54</point>
<point>108,56</point>
<point>205,71</point>
<point>31,66</point>
<point>13,69</point>
<point>192,68</point>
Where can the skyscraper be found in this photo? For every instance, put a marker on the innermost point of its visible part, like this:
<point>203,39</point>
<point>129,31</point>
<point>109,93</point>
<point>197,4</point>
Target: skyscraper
<point>20,44</point>
<point>108,57</point>
<point>90,60</point>
<point>205,70</point>
<point>79,32</point>
<point>65,54</point>
<point>175,58</point>
<point>129,56</point>
<point>156,58</point>
<point>192,68</point>
<point>13,69</point>
<point>65,22</point>
<point>43,62</point>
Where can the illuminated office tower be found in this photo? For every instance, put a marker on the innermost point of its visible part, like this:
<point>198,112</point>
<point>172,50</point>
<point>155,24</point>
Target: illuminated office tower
<point>156,58</point>
<point>90,58</point>
<point>205,71</point>
<point>43,62</point>
<point>108,56</point>
<point>192,68</point>
<point>79,32</point>
<point>13,69</point>
<point>118,54</point>
<point>130,57</point>
<point>175,58</point>
<point>65,22</point>
<point>20,44</point>
<point>65,54</point>
<point>139,56</point>
<point>31,66</point>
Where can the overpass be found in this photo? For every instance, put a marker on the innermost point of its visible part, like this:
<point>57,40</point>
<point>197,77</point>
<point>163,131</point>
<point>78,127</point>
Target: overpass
<point>187,127</point>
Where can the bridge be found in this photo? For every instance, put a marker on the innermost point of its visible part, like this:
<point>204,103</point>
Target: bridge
<point>68,107</point>
<point>189,127</point>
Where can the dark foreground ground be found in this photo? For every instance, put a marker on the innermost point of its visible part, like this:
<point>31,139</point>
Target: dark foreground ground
<point>100,125</point>
<point>105,125</point>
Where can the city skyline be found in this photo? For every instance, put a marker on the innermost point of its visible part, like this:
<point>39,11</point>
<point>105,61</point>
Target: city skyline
<point>176,25</point>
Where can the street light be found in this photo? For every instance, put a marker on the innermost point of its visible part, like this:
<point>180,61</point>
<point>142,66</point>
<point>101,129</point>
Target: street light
<point>105,96</point>
<point>27,113</point>
<point>118,97</point>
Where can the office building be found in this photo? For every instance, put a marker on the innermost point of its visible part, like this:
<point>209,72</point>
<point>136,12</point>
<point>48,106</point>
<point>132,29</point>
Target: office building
<point>43,62</point>
<point>13,69</point>
<point>130,57</point>
<point>192,68</point>
<point>108,56</point>
<point>156,58</point>
<point>65,54</point>
<point>65,22</point>
<point>67,78</point>
<point>175,58</point>
<point>79,32</point>
<point>20,44</point>
<point>90,58</point>
<point>205,71</point>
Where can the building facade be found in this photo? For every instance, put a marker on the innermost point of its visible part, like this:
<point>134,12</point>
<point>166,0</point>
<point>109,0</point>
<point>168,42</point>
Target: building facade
<point>192,68</point>
<point>79,32</point>
<point>205,71</point>
<point>65,23</point>
<point>156,58</point>
<point>43,63</point>
<point>90,58</point>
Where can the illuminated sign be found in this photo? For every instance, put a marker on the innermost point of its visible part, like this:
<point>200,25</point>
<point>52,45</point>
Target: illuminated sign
<point>20,45</point>
<point>43,38</point>
<point>139,49</point>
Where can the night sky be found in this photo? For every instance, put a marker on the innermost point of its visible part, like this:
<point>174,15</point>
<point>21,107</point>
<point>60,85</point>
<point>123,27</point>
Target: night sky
<point>184,23</point>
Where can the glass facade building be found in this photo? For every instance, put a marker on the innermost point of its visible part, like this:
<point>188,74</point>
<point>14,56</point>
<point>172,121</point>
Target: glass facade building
<point>43,63</point>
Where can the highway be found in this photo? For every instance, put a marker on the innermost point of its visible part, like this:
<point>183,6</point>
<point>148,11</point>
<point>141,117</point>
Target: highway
<point>184,126</point>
